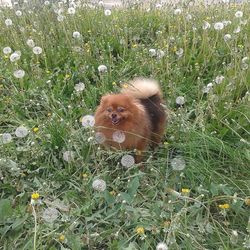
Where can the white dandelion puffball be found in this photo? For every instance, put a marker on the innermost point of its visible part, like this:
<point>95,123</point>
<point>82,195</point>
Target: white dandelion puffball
<point>18,13</point>
<point>19,73</point>
<point>99,185</point>
<point>177,11</point>
<point>178,163</point>
<point>7,50</point>
<point>71,11</point>
<point>107,12</point>
<point>238,14</point>
<point>46,3</point>
<point>219,79</point>
<point>21,132</point>
<point>100,137</point>
<point>118,136</point>
<point>244,59</point>
<point>218,26</point>
<point>227,37</point>
<point>179,52</point>
<point>160,53</point>
<point>60,18</point>
<point>206,25</point>
<point>88,121</point>
<point>37,50</point>
<point>76,34</point>
<point>8,22</point>
<point>15,56</point>
<point>189,17</point>
<point>127,161</point>
<point>100,3</point>
<point>30,43</point>
<point>161,246</point>
<point>180,100</point>
<point>79,87</point>
<point>68,156</point>
<point>225,22</point>
<point>237,30</point>
<point>152,52</point>
<point>102,69</point>
<point>6,138</point>
<point>50,214</point>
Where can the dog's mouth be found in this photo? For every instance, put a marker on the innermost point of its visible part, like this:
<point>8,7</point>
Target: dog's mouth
<point>115,120</point>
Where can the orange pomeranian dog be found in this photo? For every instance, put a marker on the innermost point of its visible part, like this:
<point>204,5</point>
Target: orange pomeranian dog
<point>133,119</point>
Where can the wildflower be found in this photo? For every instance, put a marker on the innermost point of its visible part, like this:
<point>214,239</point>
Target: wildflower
<point>102,69</point>
<point>6,138</point>
<point>62,238</point>
<point>84,175</point>
<point>7,50</point>
<point>180,100</point>
<point>135,45</point>
<point>37,50</point>
<point>19,73</point>
<point>88,121</point>
<point>140,230</point>
<point>114,83</point>
<point>8,22</point>
<point>177,11</point>
<point>161,246</point>
<point>127,161</point>
<point>179,52</point>
<point>113,193</point>
<point>21,132</point>
<point>68,156</point>
<point>30,43</point>
<point>79,87</point>
<point>18,13</point>
<point>185,190</point>
<point>239,14</point>
<point>100,137</point>
<point>76,34</point>
<point>174,49</point>
<point>247,201</point>
<point>118,136</point>
<point>206,25</point>
<point>71,11</point>
<point>35,130</point>
<point>49,114</point>
<point>15,56</point>
<point>227,37</point>
<point>35,196</point>
<point>178,163</point>
<point>224,206</point>
<point>218,26</point>
<point>99,185</point>
<point>107,12</point>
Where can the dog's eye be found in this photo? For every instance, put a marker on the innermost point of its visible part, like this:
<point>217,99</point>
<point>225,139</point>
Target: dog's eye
<point>120,109</point>
<point>109,109</point>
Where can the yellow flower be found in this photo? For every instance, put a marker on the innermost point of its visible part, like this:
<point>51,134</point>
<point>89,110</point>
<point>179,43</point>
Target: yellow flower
<point>134,45</point>
<point>125,86</point>
<point>47,71</point>
<point>174,49</point>
<point>84,175</point>
<point>6,57</point>
<point>35,129</point>
<point>49,114</point>
<point>224,206</point>
<point>185,190</point>
<point>166,223</point>
<point>35,196</point>
<point>62,237</point>
<point>140,230</point>
<point>247,201</point>
<point>67,76</point>
<point>113,193</point>
<point>114,83</point>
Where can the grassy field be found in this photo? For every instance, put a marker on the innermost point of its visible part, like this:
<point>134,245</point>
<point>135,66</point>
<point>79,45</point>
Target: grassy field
<point>60,190</point>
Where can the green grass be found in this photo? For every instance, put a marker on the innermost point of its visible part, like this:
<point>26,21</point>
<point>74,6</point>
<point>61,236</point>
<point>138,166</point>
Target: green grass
<point>210,132</point>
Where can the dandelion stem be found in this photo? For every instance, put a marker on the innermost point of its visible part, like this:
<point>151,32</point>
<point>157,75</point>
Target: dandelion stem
<point>35,234</point>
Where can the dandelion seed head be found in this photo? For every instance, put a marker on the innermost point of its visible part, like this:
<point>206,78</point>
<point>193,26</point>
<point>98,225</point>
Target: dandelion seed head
<point>68,156</point>
<point>177,11</point>
<point>245,59</point>
<point>206,25</point>
<point>238,14</point>
<point>127,161</point>
<point>237,30</point>
<point>19,73</point>
<point>60,18</point>
<point>18,13</point>
<point>99,185</point>
<point>219,79</point>
<point>79,87</point>
<point>30,43</point>
<point>15,56</point>
<point>227,37</point>
<point>160,53</point>
<point>180,100</point>
<point>21,132</point>
<point>88,121</point>
<point>161,246</point>
<point>50,214</point>
<point>76,34</point>
<point>102,69</point>
<point>178,163</point>
<point>179,52</point>
<point>37,50</point>
<point>8,22</point>
<point>107,12</point>
<point>152,52</point>
<point>218,26</point>
<point>118,136</point>
<point>6,138</point>
<point>7,50</point>
<point>100,137</point>
<point>71,11</point>
<point>46,3</point>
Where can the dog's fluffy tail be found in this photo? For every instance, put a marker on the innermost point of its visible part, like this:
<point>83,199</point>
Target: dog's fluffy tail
<point>142,88</point>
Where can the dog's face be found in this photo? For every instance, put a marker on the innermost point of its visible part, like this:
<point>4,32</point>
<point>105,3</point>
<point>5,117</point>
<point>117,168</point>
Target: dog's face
<point>118,108</point>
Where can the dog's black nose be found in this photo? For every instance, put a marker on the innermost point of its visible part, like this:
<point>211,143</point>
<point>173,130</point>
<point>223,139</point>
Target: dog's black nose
<point>114,115</point>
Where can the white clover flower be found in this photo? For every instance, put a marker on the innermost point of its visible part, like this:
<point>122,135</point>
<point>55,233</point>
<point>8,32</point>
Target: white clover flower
<point>161,246</point>
<point>99,185</point>
<point>180,100</point>
<point>50,214</point>
<point>8,22</point>
<point>160,53</point>
<point>102,69</point>
<point>21,132</point>
<point>7,50</point>
<point>227,37</point>
<point>206,25</point>
<point>60,18</point>
<point>118,136</point>
<point>6,138</point>
<point>127,161</point>
<point>239,14</point>
<point>100,137</point>
<point>30,43</point>
<point>68,156</point>
<point>19,73</point>
<point>88,121</point>
<point>15,56</point>
<point>46,3</point>
<point>37,50</point>
<point>218,26</point>
<point>219,79</point>
<point>177,11</point>
<point>76,34</point>
<point>79,87</point>
<point>107,12</point>
<point>179,52</point>
<point>178,163</point>
<point>71,11</point>
<point>237,30</point>
<point>152,52</point>
<point>18,13</point>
